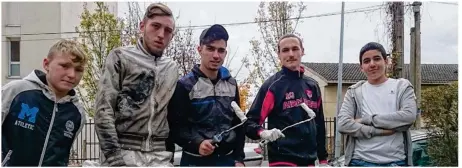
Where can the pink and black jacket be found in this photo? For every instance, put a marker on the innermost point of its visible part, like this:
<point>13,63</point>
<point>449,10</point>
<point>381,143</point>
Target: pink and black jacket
<point>278,100</point>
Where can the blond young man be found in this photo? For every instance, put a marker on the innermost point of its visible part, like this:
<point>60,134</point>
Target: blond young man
<point>41,115</point>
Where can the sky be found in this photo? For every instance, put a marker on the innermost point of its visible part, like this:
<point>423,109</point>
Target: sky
<point>321,35</point>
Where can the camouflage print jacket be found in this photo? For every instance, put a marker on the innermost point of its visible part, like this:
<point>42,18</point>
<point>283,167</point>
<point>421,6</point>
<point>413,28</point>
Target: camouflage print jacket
<point>131,103</point>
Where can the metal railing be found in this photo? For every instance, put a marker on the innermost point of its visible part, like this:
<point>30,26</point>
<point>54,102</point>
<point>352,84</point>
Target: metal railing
<point>86,147</point>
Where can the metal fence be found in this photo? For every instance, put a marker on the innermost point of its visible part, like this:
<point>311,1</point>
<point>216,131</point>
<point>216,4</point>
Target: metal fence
<point>86,147</point>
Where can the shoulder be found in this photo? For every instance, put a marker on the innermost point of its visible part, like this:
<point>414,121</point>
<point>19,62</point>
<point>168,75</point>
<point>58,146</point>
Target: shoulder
<point>11,89</point>
<point>310,80</point>
<point>272,80</point>
<point>357,84</point>
<point>232,81</point>
<point>402,82</point>
<point>187,81</point>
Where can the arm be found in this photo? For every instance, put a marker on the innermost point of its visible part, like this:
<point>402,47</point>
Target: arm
<point>321,130</point>
<point>8,94</point>
<point>260,109</point>
<point>238,151</point>
<point>348,125</point>
<point>400,120</point>
<point>106,105</point>
<point>178,109</point>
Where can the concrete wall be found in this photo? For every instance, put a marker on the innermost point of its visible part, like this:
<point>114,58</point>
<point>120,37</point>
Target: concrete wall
<point>38,25</point>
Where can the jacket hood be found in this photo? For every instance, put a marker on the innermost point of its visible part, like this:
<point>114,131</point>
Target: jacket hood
<point>38,77</point>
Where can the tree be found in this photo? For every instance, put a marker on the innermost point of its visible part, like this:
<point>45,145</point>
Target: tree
<point>100,33</point>
<point>274,20</point>
<point>243,95</point>
<point>131,31</point>
<point>182,49</point>
<point>440,105</point>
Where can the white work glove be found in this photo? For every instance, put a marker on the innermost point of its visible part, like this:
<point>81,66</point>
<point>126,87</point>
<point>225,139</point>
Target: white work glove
<point>271,135</point>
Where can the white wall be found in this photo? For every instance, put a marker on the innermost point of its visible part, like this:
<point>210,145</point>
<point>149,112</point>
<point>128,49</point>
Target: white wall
<point>29,20</point>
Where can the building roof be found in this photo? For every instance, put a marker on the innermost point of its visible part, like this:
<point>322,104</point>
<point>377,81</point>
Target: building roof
<point>431,73</point>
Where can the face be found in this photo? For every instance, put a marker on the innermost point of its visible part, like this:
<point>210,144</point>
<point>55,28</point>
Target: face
<point>373,64</point>
<point>290,53</point>
<point>213,54</point>
<point>62,73</point>
<point>157,33</point>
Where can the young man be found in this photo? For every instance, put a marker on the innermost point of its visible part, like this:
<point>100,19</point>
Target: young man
<point>41,113</point>
<point>376,115</point>
<point>201,108</point>
<point>278,99</point>
<point>134,90</point>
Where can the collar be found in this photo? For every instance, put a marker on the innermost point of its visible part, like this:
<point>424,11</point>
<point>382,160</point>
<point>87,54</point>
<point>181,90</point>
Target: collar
<point>140,46</point>
<point>223,73</point>
<point>295,74</point>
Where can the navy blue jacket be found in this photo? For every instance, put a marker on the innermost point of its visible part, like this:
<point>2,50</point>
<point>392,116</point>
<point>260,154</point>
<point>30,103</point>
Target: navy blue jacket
<point>37,129</point>
<point>201,108</point>
<point>278,99</point>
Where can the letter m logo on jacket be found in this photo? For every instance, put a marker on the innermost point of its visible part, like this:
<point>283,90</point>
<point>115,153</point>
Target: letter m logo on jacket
<point>30,113</point>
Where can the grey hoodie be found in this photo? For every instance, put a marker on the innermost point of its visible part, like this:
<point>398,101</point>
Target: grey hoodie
<point>370,126</point>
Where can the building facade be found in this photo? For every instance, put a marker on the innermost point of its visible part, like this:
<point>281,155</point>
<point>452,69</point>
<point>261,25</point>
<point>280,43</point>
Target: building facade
<point>29,29</point>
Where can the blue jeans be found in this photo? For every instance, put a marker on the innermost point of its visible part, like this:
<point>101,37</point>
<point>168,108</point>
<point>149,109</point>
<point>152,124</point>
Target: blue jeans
<point>211,160</point>
<point>362,163</point>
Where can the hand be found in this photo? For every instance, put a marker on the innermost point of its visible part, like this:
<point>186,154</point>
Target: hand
<point>358,120</point>
<point>271,135</point>
<point>206,148</point>
<point>239,164</point>
<point>387,132</point>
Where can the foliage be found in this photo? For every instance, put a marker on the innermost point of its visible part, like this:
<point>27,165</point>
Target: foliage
<point>274,20</point>
<point>440,106</point>
<point>100,33</point>
<point>244,96</point>
<point>182,49</point>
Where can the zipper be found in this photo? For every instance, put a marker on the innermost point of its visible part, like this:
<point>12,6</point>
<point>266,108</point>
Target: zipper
<point>7,157</point>
<point>148,139</point>
<point>151,115</point>
<point>55,108</point>
<point>214,91</point>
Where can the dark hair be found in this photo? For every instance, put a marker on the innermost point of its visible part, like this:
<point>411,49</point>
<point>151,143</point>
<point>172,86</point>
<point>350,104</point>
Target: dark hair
<point>215,32</point>
<point>372,46</point>
<point>288,36</point>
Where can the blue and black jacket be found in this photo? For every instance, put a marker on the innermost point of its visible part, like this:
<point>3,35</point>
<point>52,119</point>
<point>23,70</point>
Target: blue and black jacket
<point>278,99</point>
<point>37,129</point>
<point>201,108</point>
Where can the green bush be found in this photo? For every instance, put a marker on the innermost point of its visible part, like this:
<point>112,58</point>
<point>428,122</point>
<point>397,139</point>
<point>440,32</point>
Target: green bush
<point>440,106</point>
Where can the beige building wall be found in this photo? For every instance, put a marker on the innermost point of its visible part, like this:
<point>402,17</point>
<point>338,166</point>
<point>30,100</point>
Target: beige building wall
<point>37,25</point>
<point>330,103</point>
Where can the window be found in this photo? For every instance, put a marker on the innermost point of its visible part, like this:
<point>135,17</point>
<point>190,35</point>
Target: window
<point>14,58</point>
